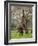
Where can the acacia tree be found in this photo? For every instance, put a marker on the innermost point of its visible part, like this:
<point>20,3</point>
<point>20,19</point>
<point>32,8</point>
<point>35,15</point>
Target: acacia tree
<point>25,19</point>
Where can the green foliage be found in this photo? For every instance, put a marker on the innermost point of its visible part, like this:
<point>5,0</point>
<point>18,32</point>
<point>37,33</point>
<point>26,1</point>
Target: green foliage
<point>16,35</point>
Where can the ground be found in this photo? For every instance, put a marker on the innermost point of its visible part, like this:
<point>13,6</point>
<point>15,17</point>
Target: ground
<point>16,35</point>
